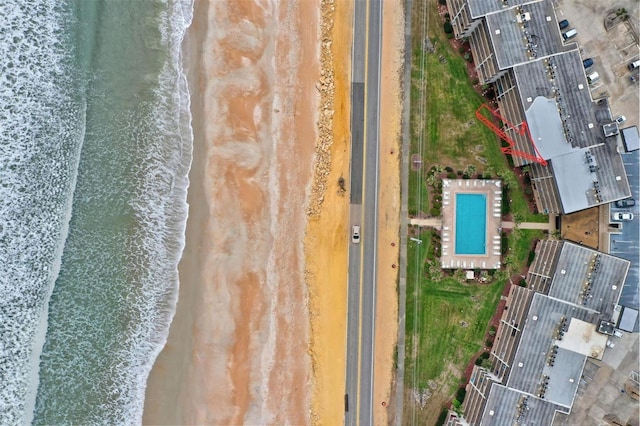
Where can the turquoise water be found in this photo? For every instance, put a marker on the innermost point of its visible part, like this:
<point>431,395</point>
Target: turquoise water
<point>471,223</point>
<point>94,154</point>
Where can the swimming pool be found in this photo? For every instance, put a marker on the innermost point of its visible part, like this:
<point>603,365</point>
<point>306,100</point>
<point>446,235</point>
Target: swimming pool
<point>471,224</point>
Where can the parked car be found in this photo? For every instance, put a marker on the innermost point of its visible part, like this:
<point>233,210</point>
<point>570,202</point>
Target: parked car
<point>355,234</point>
<point>563,24</point>
<point>622,216</point>
<point>627,202</point>
<point>633,65</point>
<point>593,77</point>
<point>569,34</point>
<point>587,63</point>
<point>620,119</point>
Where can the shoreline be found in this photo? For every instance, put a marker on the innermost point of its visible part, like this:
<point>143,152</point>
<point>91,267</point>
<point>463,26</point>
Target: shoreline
<point>238,318</point>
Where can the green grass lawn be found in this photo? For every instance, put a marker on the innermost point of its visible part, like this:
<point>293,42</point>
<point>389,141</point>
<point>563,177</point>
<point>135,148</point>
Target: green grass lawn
<point>444,127</point>
<point>451,317</point>
<point>446,318</point>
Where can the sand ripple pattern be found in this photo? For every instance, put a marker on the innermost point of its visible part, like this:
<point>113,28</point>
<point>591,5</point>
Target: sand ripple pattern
<point>248,311</point>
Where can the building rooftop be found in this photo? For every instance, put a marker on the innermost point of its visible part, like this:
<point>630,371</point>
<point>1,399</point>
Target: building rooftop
<point>631,139</point>
<point>540,367</point>
<point>628,319</point>
<point>481,8</point>
<point>586,277</point>
<point>590,177</point>
<point>560,112</point>
<point>507,406</point>
<point>524,33</point>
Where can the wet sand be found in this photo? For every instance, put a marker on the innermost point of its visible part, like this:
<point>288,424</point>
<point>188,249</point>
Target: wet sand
<point>238,346</point>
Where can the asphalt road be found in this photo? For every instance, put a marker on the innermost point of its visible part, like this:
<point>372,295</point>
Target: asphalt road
<point>364,211</point>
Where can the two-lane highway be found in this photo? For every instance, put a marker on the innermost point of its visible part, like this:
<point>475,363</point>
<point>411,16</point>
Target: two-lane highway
<point>365,91</point>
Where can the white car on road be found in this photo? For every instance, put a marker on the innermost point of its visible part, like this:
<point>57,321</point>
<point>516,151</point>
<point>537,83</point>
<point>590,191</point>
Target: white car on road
<point>355,234</point>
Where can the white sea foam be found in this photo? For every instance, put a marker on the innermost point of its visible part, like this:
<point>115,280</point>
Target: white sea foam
<point>41,127</point>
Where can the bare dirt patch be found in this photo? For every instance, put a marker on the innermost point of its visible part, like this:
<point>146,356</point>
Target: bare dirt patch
<point>581,227</point>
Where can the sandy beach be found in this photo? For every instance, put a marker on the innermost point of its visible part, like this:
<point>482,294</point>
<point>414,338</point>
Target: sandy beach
<point>260,328</point>
<point>237,351</point>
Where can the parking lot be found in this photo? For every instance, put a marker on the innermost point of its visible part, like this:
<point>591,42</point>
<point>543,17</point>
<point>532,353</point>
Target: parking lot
<point>610,50</point>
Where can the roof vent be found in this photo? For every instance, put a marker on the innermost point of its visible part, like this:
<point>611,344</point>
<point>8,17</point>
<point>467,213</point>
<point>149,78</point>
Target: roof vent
<point>535,318</point>
<point>497,31</point>
<point>591,125</point>
<point>520,365</point>
<point>563,272</point>
<point>618,178</point>
<point>614,287</point>
<point>548,18</point>
<point>491,412</point>
<point>529,99</point>
<point>580,86</point>
<point>571,380</point>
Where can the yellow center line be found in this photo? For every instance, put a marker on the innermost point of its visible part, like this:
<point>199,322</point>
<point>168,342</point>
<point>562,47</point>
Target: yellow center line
<point>362,208</point>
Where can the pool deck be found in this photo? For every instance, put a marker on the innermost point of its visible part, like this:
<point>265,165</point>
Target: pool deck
<point>493,191</point>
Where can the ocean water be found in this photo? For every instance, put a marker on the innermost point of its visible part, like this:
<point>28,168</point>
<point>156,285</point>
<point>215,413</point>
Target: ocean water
<point>95,148</point>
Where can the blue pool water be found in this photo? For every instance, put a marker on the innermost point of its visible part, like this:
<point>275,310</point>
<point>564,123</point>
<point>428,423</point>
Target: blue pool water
<point>471,223</point>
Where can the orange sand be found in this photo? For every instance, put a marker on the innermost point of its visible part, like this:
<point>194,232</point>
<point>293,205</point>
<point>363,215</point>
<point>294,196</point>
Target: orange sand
<point>237,346</point>
<point>326,242</point>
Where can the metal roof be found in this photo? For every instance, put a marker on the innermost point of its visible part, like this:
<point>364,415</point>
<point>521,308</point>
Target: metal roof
<point>530,365</point>
<point>481,8</point>
<point>590,177</point>
<point>525,33</point>
<point>630,138</point>
<point>628,319</point>
<point>586,277</point>
<point>507,406</point>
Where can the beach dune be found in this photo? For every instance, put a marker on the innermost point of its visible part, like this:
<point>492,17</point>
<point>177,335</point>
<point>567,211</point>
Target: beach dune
<point>238,346</point>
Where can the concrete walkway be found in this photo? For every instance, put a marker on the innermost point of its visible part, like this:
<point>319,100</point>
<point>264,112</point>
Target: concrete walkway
<point>528,225</point>
<point>436,222</point>
<point>432,222</point>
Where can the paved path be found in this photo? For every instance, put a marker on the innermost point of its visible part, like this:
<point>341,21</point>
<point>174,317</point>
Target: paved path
<point>436,222</point>
<point>545,226</point>
<point>431,222</point>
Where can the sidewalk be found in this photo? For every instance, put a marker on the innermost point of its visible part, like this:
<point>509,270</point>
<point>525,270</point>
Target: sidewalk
<point>432,222</point>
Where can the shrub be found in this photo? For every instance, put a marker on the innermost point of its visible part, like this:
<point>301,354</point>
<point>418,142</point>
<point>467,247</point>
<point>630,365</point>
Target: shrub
<point>489,343</point>
<point>451,175</point>
<point>448,169</point>
<point>462,392</point>
<point>532,255</point>
<point>482,357</point>
<point>444,413</point>
<point>435,212</point>
<point>442,2</point>
<point>492,330</point>
<point>447,16</point>
<point>448,28</point>
<point>459,172</point>
<point>522,283</point>
<point>437,205</point>
<point>487,364</point>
